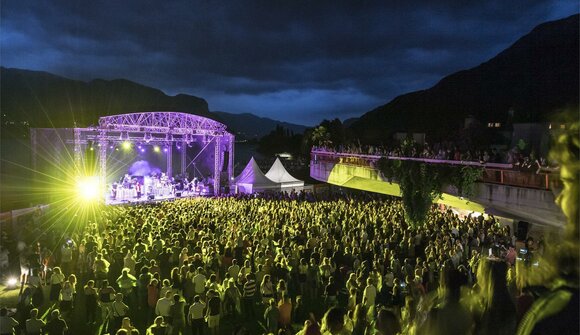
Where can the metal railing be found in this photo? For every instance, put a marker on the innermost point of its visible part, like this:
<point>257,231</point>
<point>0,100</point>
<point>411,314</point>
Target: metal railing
<point>495,173</point>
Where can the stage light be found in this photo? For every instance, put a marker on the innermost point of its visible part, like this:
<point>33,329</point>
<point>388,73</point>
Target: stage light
<point>142,149</point>
<point>88,188</point>
<point>165,149</point>
<point>126,145</point>
<point>156,148</point>
<point>11,282</point>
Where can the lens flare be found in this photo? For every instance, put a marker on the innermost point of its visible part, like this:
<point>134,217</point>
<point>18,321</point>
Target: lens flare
<point>88,188</point>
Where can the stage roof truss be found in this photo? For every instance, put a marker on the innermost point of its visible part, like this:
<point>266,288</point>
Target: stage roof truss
<point>176,123</point>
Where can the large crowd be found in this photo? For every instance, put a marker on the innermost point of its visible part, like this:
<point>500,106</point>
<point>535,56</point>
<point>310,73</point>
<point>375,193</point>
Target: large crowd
<point>517,158</point>
<point>273,264</point>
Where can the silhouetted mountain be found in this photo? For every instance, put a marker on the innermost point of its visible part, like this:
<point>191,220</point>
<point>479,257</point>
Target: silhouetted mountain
<point>47,100</point>
<point>348,122</point>
<point>527,82</point>
<point>250,126</point>
<point>43,99</point>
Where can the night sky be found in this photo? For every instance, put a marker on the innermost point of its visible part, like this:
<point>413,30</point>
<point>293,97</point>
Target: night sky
<point>297,61</point>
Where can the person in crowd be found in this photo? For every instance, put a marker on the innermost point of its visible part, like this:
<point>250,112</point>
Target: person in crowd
<point>177,315</point>
<point>199,281</point>
<point>66,299</point>
<point>152,297</point>
<point>310,328</point>
<point>266,290</point>
<point>119,311</point>
<point>56,280</point>
<point>34,325</point>
<point>213,312</point>
<point>271,316</point>
<point>452,317</point>
<point>387,323</point>
<point>7,323</point>
<point>195,316</point>
<point>248,297</point>
<point>556,312</point>
<point>56,325</point>
<point>330,292</point>
<point>106,298</point>
<point>142,287</point>
<point>162,308</point>
<point>126,325</point>
<point>126,282</point>
<point>91,301</point>
<point>158,327</point>
<point>333,322</point>
<point>359,319</point>
<point>101,268</point>
<point>285,312</point>
<point>498,314</point>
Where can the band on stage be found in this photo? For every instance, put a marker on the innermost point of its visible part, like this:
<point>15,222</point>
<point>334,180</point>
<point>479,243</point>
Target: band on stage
<point>155,186</point>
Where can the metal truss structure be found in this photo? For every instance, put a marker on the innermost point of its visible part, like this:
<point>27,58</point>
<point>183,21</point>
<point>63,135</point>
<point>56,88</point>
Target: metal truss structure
<point>158,128</point>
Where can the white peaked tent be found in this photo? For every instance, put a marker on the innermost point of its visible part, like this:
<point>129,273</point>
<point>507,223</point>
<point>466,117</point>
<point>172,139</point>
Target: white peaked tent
<point>252,179</point>
<point>279,174</point>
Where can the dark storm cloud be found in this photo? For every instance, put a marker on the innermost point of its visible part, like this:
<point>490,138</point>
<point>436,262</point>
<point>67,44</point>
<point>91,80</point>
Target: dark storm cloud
<point>300,61</point>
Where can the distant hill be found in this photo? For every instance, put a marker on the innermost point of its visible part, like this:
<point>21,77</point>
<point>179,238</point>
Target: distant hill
<point>47,100</point>
<point>527,82</point>
<point>250,126</point>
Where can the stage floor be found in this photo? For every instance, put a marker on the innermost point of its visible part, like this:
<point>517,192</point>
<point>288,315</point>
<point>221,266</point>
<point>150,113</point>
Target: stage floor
<point>146,199</point>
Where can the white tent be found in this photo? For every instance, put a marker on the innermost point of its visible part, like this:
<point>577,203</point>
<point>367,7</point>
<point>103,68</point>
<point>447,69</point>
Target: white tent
<point>252,179</point>
<point>279,174</point>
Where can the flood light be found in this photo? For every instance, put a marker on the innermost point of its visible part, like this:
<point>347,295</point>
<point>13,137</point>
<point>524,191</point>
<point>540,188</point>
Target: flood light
<point>88,188</point>
<point>11,282</point>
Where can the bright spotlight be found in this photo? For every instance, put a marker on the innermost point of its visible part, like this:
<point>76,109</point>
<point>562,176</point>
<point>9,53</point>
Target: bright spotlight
<point>156,148</point>
<point>126,145</point>
<point>88,188</point>
<point>12,282</point>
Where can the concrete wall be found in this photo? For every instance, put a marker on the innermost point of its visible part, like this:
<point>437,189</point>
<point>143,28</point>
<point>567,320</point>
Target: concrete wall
<point>536,206</point>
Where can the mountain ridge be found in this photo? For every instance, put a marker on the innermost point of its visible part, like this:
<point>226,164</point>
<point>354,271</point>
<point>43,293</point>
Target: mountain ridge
<point>43,99</point>
<point>526,82</point>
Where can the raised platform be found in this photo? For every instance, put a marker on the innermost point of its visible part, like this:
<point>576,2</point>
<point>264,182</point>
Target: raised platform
<point>148,199</point>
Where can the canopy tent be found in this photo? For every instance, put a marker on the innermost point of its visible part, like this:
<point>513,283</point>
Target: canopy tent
<point>278,174</point>
<point>252,179</point>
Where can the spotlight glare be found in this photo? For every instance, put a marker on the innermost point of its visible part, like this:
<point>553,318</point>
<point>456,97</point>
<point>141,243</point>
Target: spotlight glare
<point>12,282</point>
<point>88,188</point>
<point>126,145</point>
<point>156,148</point>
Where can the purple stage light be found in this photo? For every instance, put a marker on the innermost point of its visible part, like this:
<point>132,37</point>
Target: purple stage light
<point>142,150</point>
<point>164,149</point>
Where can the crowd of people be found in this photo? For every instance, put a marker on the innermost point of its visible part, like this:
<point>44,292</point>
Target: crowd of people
<point>349,265</point>
<point>448,151</point>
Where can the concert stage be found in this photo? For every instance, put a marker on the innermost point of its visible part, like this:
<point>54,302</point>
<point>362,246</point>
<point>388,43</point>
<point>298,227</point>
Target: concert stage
<point>144,146</point>
<point>150,199</point>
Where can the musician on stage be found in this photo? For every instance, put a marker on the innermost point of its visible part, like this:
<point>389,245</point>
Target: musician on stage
<point>138,189</point>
